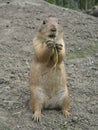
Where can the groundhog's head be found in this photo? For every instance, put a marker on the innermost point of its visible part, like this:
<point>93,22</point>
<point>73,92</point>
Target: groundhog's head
<point>50,28</point>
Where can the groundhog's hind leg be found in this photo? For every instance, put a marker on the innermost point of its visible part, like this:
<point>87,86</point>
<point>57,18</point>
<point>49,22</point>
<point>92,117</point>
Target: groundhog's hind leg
<point>65,106</point>
<point>36,108</point>
<point>36,104</point>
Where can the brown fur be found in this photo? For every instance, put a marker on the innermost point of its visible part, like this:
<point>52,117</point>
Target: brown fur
<point>48,86</point>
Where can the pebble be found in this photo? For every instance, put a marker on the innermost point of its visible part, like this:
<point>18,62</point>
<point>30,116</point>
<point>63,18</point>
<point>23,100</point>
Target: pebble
<point>2,81</point>
<point>75,119</point>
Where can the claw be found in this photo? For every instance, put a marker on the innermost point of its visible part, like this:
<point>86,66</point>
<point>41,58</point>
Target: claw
<point>50,44</point>
<point>36,117</point>
<point>66,113</point>
<point>59,47</point>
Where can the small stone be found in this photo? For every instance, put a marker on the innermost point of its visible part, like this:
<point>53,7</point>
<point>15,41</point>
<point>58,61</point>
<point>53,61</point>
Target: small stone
<point>33,27</point>
<point>96,55</point>
<point>2,81</point>
<point>7,26</point>
<point>37,18</point>
<point>18,126</point>
<point>8,2</point>
<point>94,68</point>
<point>75,119</point>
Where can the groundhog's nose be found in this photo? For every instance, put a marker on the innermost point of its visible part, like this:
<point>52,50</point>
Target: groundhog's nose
<point>53,29</point>
<point>52,32</point>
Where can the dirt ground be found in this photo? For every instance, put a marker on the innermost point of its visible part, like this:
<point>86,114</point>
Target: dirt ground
<point>19,20</point>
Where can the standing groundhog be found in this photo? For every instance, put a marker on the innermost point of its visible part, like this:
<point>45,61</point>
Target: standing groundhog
<point>48,78</point>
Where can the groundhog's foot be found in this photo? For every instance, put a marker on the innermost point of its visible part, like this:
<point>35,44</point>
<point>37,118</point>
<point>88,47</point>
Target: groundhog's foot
<point>66,113</point>
<point>37,116</point>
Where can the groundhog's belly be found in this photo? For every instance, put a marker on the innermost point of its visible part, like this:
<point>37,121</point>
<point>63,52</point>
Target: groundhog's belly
<point>55,101</point>
<point>53,89</point>
<point>51,78</point>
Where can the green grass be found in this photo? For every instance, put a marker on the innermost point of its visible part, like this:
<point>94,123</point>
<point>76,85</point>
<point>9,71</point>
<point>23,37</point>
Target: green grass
<point>86,50</point>
<point>3,126</point>
<point>66,126</point>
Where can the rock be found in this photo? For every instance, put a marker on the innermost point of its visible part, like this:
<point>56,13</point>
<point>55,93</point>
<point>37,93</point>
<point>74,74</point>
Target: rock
<point>2,81</point>
<point>75,119</point>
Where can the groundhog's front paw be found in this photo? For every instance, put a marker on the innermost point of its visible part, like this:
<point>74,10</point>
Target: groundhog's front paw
<point>59,47</point>
<point>50,44</point>
<point>37,116</point>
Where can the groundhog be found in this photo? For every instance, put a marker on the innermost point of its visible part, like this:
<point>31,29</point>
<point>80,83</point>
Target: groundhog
<point>93,11</point>
<point>48,78</point>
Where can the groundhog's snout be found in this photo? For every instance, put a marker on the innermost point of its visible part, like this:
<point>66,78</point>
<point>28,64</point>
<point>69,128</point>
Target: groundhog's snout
<point>53,31</point>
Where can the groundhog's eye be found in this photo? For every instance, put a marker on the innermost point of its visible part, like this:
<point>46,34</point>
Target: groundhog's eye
<point>58,22</point>
<point>44,22</point>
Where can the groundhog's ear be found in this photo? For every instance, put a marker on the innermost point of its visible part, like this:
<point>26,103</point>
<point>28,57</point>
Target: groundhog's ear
<point>44,21</point>
<point>58,21</point>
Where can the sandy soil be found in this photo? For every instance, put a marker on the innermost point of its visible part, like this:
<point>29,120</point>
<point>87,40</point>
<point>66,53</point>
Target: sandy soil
<point>19,20</point>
